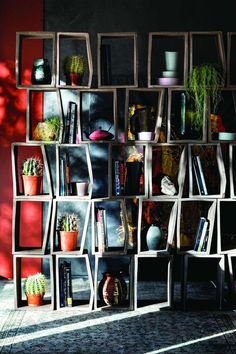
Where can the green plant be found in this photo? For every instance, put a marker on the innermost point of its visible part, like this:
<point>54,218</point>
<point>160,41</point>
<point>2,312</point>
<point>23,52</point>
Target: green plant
<point>48,130</point>
<point>68,222</point>
<point>35,284</point>
<point>203,83</point>
<point>76,64</point>
<point>32,166</point>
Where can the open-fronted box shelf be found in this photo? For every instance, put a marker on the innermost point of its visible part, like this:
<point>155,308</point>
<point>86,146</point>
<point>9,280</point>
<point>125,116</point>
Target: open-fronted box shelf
<point>81,210</point>
<point>30,226</point>
<point>167,58</point>
<point>114,282</point>
<point>195,225</point>
<point>74,178</point>
<point>226,226</point>
<point>97,116</point>
<point>127,170</point>
<point>143,114</point>
<point>207,47</point>
<point>213,280</point>
<point>206,171</point>
<point>74,285</point>
<point>20,153</point>
<point>153,281</point>
<point>181,123</point>
<point>109,227</point>
<point>222,123</point>
<point>30,48</point>
<point>167,170</point>
<point>117,62</point>
<point>44,122</point>
<point>156,225</point>
<point>231,59</point>
<point>74,60</point>
<point>25,265</point>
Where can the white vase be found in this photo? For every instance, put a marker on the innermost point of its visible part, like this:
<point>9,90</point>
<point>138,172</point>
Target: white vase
<point>171,60</point>
<point>153,237</point>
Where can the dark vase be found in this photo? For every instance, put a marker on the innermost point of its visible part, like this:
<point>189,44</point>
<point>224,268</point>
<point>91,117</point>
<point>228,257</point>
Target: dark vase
<point>41,73</point>
<point>133,175</point>
<point>112,289</point>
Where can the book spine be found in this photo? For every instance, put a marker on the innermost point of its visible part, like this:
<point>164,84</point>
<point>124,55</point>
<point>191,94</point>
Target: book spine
<point>65,282</point>
<point>67,127</point>
<point>101,246</point>
<point>117,185</point>
<point>205,242</point>
<point>197,167</point>
<point>122,177</point>
<point>61,177</point>
<point>61,285</point>
<point>199,232</point>
<point>67,173</point>
<point>72,128</point>
<point>69,298</point>
<point>203,236</point>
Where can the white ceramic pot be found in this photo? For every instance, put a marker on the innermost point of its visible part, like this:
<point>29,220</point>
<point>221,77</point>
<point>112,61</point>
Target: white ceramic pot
<point>145,136</point>
<point>81,188</point>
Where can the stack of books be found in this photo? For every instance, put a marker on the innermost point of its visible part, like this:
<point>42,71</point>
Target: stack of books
<point>65,283</point>
<point>202,235</point>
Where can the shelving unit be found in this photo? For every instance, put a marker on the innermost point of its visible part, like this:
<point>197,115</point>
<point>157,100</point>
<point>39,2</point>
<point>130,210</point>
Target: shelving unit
<point>151,181</point>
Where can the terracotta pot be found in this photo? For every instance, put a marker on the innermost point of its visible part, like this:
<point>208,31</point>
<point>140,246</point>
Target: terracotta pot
<point>34,300</point>
<point>32,184</point>
<point>112,289</point>
<point>74,79</point>
<point>68,240</point>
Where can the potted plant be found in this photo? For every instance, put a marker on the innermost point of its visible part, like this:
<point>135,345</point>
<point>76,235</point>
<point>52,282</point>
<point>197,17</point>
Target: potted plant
<point>35,287</point>
<point>201,85</point>
<point>32,175</point>
<point>68,231</point>
<point>48,130</point>
<point>75,66</point>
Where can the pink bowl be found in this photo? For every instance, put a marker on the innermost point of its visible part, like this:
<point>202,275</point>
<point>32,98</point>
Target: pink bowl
<point>168,81</point>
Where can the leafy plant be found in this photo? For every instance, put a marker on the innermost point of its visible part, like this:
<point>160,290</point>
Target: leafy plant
<point>135,156</point>
<point>203,83</point>
<point>76,64</point>
<point>35,284</point>
<point>68,222</point>
<point>32,166</point>
<point>48,130</point>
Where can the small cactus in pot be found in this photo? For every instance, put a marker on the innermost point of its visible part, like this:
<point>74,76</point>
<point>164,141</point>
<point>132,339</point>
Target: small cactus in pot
<point>35,287</point>
<point>32,171</point>
<point>68,230</point>
<point>75,66</point>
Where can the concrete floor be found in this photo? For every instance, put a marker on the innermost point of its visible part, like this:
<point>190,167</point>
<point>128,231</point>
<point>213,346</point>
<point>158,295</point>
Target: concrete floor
<point>146,330</point>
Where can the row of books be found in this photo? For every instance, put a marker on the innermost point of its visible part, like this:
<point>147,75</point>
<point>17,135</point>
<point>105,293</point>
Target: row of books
<point>65,284</point>
<point>199,175</point>
<point>202,235</point>
<point>64,176</point>
<point>70,124</point>
<point>101,230</point>
<point>128,178</point>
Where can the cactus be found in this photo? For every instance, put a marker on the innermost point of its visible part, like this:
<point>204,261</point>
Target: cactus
<point>76,64</point>
<point>35,284</point>
<point>68,222</point>
<point>32,167</point>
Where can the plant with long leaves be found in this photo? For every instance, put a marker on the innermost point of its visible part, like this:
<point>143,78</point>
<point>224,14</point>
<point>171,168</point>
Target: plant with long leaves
<point>204,82</point>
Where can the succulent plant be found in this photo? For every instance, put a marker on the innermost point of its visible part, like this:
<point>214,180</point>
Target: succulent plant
<point>68,222</point>
<point>48,130</point>
<point>76,64</point>
<point>32,166</point>
<point>35,284</point>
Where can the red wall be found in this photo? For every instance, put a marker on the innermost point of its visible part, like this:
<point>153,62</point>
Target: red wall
<point>15,16</point>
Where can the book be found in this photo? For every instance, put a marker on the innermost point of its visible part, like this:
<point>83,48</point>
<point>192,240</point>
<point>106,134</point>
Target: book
<point>67,175</point>
<point>73,123</point>
<point>183,105</point>
<point>61,285</point>
<point>117,185</point>
<point>201,223</point>
<point>101,222</point>
<point>69,298</point>
<point>62,177</point>
<point>67,124</point>
<point>202,234</point>
<point>200,179</point>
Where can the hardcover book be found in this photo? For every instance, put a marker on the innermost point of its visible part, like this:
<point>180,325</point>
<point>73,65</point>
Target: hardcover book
<point>200,179</point>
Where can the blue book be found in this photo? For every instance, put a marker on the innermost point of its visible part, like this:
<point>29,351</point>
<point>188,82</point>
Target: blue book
<point>200,228</point>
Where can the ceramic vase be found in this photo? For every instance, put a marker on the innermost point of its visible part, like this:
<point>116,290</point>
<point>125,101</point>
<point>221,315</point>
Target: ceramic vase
<point>112,289</point>
<point>171,59</point>
<point>153,237</point>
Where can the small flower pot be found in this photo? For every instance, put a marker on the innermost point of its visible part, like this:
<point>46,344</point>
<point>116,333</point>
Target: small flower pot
<point>145,136</point>
<point>74,79</point>
<point>34,300</point>
<point>68,240</point>
<point>32,184</point>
